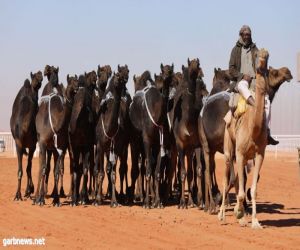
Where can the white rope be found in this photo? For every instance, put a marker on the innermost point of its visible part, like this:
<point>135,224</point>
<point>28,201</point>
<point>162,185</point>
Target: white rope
<point>47,98</point>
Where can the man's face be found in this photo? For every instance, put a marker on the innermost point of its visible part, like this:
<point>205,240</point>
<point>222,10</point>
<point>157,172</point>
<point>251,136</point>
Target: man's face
<point>246,36</point>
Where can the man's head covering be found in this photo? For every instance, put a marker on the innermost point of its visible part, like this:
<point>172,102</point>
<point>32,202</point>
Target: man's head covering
<point>245,29</point>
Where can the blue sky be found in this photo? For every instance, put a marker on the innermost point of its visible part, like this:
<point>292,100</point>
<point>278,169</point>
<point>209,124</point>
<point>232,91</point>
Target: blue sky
<point>79,35</point>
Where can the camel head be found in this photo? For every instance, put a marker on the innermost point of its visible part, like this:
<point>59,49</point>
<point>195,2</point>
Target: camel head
<point>193,68</point>
<point>72,87</point>
<point>276,78</point>
<point>142,81</point>
<point>159,81</point>
<point>118,83</point>
<point>53,79</point>
<point>201,86</point>
<point>167,71</point>
<point>36,80</point>
<point>262,61</point>
<point>104,73</point>
<point>221,76</point>
<point>123,73</point>
<point>90,79</point>
<point>279,76</point>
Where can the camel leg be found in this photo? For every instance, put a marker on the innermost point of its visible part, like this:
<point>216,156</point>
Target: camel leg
<point>49,154</point>
<point>61,173</point>
<point>228,147</point>
<point>182,203</point>
<point>100,175</point>
<point>84,191</point>
<point>190,178</point>
<point>113,202</point>
<point>57,170</point>
<point>148,174</point>
<point>91,170</point>
<point>69,195</point>
<point>40,192</point>
<point>18,195</point>
<point>75,166</point>
<point>157,178</point>
<point>199,171</point>
<point>170,172</point>
<point>258,164</point>
<point>135,192</point>
<point>239,209</point>
<point>123,169</point>
<point>30,186</point>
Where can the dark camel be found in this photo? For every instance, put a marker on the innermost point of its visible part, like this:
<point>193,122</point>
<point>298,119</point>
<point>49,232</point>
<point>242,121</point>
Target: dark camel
<point>107,131</point>
<point>185,112</point>
<point>22,125</point>
<point>81,135</point>
<point>52,122</point>
<point>147,114</point>
<point>103,73</point>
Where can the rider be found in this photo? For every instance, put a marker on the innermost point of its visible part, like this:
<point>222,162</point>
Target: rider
<point>242,70</point>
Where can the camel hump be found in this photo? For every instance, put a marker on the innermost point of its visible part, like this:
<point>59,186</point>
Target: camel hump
<point>27,83</point>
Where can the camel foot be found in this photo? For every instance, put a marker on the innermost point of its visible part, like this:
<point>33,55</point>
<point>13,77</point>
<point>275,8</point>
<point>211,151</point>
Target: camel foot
<point>243,222</point>
<point>256,224</point>
<point>114,204</point>
<point>221,214</point>
<point>182,204</point>
<point>158,204</point>
<point>239,213</point>
<point>98,201</point>
<point>29,191</point>
<point>56,202</point>
<point>18,196</point>
<point>62,193</point>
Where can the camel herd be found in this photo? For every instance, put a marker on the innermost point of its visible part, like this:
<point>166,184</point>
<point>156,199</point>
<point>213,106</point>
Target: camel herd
<point>172,124</point>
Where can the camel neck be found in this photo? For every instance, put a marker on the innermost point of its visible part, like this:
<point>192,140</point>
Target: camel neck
<point>258,114</point>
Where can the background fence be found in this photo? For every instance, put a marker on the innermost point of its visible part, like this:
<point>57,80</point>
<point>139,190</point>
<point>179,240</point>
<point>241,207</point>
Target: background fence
<point>288,143</point>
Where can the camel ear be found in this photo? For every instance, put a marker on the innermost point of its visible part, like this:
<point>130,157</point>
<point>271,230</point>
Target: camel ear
<point>189,61</point>
<point>126,66</point>
<point>57,69</point>
<point>215,70</point>
<point>134,79</point>
<point>98,66</point>
<point>172,66</point>
<point>161,67</point>
<point>76,77</point>
<point>198,61</point>
<point>155,76</point>
<point>118,67</point>
<point>31,75</point>
<point>182,67</point>
<point>68,77</point>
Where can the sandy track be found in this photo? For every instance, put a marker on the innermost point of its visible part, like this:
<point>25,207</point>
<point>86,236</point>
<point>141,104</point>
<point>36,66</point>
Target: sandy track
<point>134,227</point>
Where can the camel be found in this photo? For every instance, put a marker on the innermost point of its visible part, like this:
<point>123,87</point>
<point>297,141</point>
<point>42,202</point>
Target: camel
<point>22,125</point>
<point>148,114</point>
<point>184,123</point>
<point>81,134</point>
<point>211,128</point>
<point>52,122</point>
<point>103,73</point>
<point>47,72</point>
<point>246,137</point>
<point>107,131</point>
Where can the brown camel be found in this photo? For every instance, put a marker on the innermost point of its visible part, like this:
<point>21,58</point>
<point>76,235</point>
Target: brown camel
<point>52,122</point>
<point>22,125</point>
<point>247,138</point>
<point>184,124</point>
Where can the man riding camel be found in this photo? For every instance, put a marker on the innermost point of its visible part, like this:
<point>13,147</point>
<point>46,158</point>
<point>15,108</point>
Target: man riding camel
<point>242,71</point>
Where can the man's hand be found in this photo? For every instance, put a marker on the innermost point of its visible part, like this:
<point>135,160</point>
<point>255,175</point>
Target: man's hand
<point>247,78</point>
